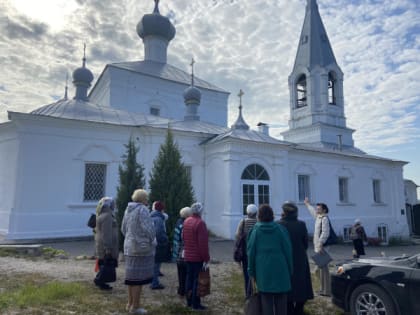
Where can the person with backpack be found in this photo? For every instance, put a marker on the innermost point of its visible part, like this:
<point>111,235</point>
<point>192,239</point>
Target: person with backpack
<point>139,249</point>
<point>321,235</point>
<point>358,236</point>
<point>242,232</point>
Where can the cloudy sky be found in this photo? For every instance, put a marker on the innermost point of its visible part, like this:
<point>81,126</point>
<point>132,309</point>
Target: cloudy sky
<point>238,44</point>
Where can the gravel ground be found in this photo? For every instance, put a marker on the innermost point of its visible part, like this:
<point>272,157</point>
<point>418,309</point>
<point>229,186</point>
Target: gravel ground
<point>79,267</point>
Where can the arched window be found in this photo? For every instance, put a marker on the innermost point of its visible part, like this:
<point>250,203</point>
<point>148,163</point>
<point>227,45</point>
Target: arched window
<point>255,186</point>
<point>301,92</point>
<point>332,89</point>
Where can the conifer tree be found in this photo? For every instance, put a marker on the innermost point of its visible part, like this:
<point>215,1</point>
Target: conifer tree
<point>169,181</point>
<point>131,176</point>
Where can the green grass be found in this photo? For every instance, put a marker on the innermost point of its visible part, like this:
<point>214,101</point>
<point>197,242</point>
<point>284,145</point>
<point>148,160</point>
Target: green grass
<point>234,288</point>
<point>46,252</point>
<point>47,294</point>
<point>36,294</point>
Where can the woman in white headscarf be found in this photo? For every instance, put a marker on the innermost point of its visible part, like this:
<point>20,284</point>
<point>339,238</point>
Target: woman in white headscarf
<point>106,237</point>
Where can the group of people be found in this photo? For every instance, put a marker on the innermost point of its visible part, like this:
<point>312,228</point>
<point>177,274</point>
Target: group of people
<point>146,246</point>
<point>276,262</point>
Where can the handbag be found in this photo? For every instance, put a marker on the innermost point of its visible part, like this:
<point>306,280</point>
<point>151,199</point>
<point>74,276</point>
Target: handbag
<point>204,282</point>
<point>240,246</point>
<point>92,221</point>
<point>332,237</point>
<point>321,259</point>
<point>107,272</point>
<point>253,299</point>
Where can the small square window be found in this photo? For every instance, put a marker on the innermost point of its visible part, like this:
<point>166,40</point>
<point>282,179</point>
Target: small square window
<point>154,111</point>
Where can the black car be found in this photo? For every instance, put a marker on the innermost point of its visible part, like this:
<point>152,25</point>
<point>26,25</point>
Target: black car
<point>378,286</point>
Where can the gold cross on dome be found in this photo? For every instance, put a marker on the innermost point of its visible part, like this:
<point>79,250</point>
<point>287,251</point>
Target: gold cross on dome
<point>241,93</point>
<point>192,70</point>
<point>192,64</point>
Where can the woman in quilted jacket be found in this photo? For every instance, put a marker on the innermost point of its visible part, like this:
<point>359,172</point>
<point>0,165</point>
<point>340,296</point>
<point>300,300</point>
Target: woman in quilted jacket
<point>139,249</point>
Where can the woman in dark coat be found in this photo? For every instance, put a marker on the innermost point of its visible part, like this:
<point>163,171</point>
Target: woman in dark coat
<point>162,247</point>
<point>301,277</point>
<point>358,236</point>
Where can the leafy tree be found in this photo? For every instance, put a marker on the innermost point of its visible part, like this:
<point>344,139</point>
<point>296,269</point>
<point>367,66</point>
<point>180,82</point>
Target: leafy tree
<point>131,176</point>
<point>169,181</point>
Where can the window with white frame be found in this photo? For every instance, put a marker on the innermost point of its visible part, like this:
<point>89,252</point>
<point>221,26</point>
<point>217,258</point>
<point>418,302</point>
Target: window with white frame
<point>383,233</point>
<point>376,184</point>
<point>255,186</point>
<point>304,187</point>
<point>346,233</point>
<point>94,185</point>
<point>343,189</point>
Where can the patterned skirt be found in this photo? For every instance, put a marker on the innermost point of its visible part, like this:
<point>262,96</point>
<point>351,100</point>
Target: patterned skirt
<point>139,269</point>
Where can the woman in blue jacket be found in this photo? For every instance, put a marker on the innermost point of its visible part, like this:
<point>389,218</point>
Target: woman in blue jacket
<point>270,261</point>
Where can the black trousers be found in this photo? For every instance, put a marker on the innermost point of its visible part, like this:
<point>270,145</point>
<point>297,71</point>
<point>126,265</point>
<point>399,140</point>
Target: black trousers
<point>274,303</point>
<point>182,277</point>
<point>295,308</point>
<point>193,269</point>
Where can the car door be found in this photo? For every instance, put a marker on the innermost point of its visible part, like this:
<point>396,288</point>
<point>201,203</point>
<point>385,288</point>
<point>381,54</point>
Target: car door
<point>414,289</point>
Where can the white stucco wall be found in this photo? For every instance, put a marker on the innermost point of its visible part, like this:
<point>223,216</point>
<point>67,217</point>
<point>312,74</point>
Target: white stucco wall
<point>324,171</point>
<point>8,169</point>
<point>136,92</point>
<point>52,155</point>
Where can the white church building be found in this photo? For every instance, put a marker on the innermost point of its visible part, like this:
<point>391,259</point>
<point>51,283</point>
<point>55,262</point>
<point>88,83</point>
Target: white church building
<point>58,160</point>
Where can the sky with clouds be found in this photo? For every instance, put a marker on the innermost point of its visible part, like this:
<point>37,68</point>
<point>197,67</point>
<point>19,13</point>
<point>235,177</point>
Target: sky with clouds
<point>238,44</point>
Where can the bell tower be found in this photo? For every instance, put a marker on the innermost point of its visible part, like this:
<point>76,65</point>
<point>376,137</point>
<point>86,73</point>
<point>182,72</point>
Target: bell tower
<point>316,89</point>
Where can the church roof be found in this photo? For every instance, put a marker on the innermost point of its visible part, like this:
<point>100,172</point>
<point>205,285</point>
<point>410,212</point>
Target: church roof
<point>83,110</point>
<point>195,126</point>
<point>346,151</point>
<point>164,71</point>
<point>87,111</point>
<point>247,135</point>
<point>314,46</point>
